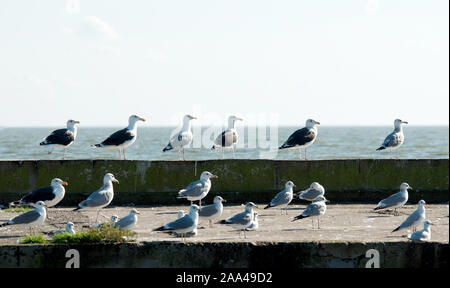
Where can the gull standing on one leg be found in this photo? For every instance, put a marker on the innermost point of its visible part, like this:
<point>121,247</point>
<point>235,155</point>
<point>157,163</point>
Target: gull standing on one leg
<point>395,139</point>
<point>62,138</point>
<point>283,198</point>
<point>229,137</point>
<point>100,198</point>
<point>303,137</point>
<point>199,189</point>
<point>314,210</point>
<point>122,138</point>
<point>182,138</point>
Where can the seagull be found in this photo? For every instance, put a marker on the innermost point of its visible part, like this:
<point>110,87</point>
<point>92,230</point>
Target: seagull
<point>212,211</point>
<point>316,209</point>
<point>315,190</point>
<point>255,224</point>
<point>128,222</point>
<point>303,137</point>
<point>199,189</point>
<point>186,224</point>
<point>395,139</point>
<point>31,218</point>
<point>422,235</point>
<point>69,229</point>
<point>50,195</point>
<point>243,220</point>
<point>395,200</point>
<point>100,198</point>
<point>112,222</point>
<point>284,197</point>
<point>122,138</point>
<point>62,138</point>
<point>415,219</point>
<point>182,138</point>
<point>229,137</point>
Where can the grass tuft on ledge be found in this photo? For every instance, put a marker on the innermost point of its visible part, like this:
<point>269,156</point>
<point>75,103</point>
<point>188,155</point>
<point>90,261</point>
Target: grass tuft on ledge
<point>18,209</point>
<point>33,239</point>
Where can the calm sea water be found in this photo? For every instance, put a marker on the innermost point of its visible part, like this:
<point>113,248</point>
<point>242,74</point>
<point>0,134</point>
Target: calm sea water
<point>254,143</point>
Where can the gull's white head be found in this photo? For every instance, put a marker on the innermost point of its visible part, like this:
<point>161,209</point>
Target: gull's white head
<point>69,225</point>
<point>72,123</point>
<point>58,182</point>
<point>188,118</point>
<point>421,203</point>
<point>398,123</point>
<point>40,204</point>
<point>233,119</point>
<point>427,224</point>
<point>219,199</point>
<point>134,118</point>
<point>134,212</point>
<point>315,186</point>
<point>320,199</point>
<point>405,186</point>
<point>109,177</point>
<point>310,123</point>
<point>249,206</point>
<point>290,185</point>
<point>207,175</point>
<point>194,208</point>
<point>114,218</point>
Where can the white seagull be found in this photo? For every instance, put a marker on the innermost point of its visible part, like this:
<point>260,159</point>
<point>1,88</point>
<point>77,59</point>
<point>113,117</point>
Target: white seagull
<point>415,219</point>
<point>199,189</point>
<point>395,200</point>
<point>283,198</point>
<point>69,229</point>
<point>62,138</point>
<point>302,138</point>
<point>31,218</point>
<point>128,222</point>
<point>100,198</point>
<point>422,235</point>
<point>50,195</point>
<point>255,223</point>
<point>184,225</point>
<point>243,220</point>
<point>229,137</point>
<point>122,138</point>
<point>182,138</point>
<point>395,139</point>
<point>314,210</point>
<point>212,211</point>
<point>315,190</point>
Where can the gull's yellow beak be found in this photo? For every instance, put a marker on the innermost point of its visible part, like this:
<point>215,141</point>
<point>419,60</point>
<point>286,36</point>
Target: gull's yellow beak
<point>78,122</point>
<point>318,123</point>
<point>65,183</point>
<point>142,119</point>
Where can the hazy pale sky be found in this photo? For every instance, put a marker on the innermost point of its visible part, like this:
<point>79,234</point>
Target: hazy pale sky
<point>348,62</point>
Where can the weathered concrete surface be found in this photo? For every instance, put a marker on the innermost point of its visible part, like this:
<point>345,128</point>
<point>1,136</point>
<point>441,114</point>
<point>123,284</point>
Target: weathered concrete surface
<point>347,232</point>
<point>156,182</point>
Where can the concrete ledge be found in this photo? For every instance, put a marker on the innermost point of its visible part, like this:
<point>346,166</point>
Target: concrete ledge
<point>262,255</point>
<point>156,182</point>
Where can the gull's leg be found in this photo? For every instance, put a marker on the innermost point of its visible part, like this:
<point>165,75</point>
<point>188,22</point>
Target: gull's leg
<point>210,223</point>
<point>390,153</point>
<point>179,154</point>
<point>245,236</point>
<point>312,223</point>
<point>64,153</point>
<point>120,155</point>
<point>98,212</point>
<point>184,159</point>
<point>124,158</point>
<point>305,154</point>
<point>200,203</point>
<point>300,153</point>
<point>232,148</point>
<point>318,223</point>
<point>396,153</point>
<point>223,156</point>
<point>51,151</point>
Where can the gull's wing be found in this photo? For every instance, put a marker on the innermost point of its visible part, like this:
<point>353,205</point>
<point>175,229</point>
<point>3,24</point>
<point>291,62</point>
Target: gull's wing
<point>96,199</point>
<point>392,140</point>
<point>226,138</point>
<point>41,194</point>
<point>208,211</point>
<point>240,218</point>
<point>393,200</point>
<point>313,209</point>
<point>25,218</point>
<point>179,224</point>
<point>118,138</point>
<point>412,220</point>
<point>282,198</point>
<point>192,190</point>
<point>125,221</point>
<point>60,136</point>
<point>310,194</point>
<point>300,138</point>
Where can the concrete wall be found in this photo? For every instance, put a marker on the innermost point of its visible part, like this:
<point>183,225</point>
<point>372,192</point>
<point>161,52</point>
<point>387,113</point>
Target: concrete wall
<point>228,255</point>
<point>156,182</point>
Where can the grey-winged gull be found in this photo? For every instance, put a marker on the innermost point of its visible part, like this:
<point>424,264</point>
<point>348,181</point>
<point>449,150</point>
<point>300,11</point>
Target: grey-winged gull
<point>199,189</point>
<point>395,200</point>
<point>129,221</point>
<point>255,224</point>
<point>415,219</point>
<point>243,220</point>
<point>314,210</point>
<point>395,139</point>
<point>213,211</point>
<point>122,138</point>
<point>50,195</point>
<point>62,138</point>
<point>100,198</point>
<point>315,190</point>
<point>31,218</point>
<point>283,198</point>
<point>303,137</point>
<point>184,225</point>
<point>422,235</point>
<point>182,138</point>
<point>229,137</point>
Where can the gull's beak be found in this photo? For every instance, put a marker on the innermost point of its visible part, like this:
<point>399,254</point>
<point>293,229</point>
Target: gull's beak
<point>65,183</point>
<point>223,200</point>
<point>409,187</point>
<point>115,180</point>
<point>405,122</point>
<point>142,119</point>
<point>77,122</point>
<point>194,118</point>
<point>215,176</point>
<point>295,185</point>
<point>318,123</point>
<point>137,212</point>
<point>240,119</point>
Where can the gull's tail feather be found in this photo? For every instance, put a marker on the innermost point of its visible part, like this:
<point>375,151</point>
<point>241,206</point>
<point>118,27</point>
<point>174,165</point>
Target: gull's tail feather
<point>223,222</point>
<point>396,229</point>
<point>3,224</point>
<point>377,208</point>
<point>268,206</point>
<point>44,143</point>
<point>97,145</point>
<point>77,209</point>
<point>213,147</point>
<point>284,146</point>
<point>167,148</point>
<point>159,229</point>
<point>381,148</point>
<point>299,217</point>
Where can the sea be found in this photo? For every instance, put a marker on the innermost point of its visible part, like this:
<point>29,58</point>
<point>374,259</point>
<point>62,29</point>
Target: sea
<point>421,142</point>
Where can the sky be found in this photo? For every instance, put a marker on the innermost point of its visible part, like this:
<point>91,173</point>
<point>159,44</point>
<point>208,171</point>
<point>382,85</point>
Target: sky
<point>348,62</point>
